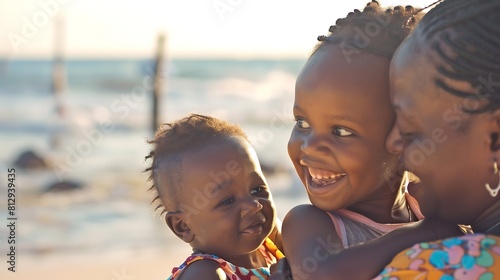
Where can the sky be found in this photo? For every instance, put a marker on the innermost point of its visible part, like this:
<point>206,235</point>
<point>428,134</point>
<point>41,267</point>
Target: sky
<point>193,28</point>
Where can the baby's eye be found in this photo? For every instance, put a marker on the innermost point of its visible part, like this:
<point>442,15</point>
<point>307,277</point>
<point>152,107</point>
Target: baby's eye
<point>341,132</point>
<point>226,201</point>
<point>301,123</point>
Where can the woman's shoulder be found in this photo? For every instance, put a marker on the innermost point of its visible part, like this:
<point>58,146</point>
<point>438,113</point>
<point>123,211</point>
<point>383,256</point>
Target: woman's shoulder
<point>476,256</point>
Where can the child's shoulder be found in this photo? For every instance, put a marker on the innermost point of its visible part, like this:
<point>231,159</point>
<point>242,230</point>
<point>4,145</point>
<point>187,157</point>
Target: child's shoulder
<point>308,216</point>
<point>199,267</point>
<point>306,222</point>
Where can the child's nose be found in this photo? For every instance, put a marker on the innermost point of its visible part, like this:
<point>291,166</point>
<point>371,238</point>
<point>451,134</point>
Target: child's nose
<point>393,143</point>
<point>314,144</point>
<point>251,206</point>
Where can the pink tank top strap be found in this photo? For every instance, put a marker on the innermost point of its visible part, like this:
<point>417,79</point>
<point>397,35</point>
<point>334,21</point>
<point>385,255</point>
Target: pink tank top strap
<point>354,228</point>
<point>369,222</point>
<point>339,229</point>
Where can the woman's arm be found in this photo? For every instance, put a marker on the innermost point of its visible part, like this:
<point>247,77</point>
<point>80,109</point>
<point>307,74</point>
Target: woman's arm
<point>365,261</point>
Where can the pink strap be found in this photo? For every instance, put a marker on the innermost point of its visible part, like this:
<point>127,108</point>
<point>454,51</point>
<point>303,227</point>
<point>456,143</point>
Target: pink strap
<point>369,222</point>
<point>340,229</point>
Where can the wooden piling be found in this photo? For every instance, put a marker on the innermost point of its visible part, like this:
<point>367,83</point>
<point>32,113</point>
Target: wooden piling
<point>58,70</point>
<point>159,81</point>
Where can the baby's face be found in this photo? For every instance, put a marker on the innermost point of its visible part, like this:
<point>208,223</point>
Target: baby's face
<point>225,198</point>
<point>343,115</point>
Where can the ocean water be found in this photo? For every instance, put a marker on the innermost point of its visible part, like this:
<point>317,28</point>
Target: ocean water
<point>100,143</point>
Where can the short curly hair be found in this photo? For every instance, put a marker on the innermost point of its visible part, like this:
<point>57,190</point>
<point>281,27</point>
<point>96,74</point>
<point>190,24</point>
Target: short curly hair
<point>171,139</point>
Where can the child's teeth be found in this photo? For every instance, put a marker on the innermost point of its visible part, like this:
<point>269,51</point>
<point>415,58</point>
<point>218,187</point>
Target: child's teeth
<point>323,174</point>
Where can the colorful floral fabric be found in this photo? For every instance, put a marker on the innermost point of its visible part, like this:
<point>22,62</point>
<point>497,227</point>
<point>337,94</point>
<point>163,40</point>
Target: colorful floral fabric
<point>471,257</point>
<point>268,250</point>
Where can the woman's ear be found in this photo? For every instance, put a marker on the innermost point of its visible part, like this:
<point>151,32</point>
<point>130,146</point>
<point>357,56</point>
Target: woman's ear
<point>176,222</point>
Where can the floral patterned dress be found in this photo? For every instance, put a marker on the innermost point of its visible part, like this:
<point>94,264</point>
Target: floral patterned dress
<point>268,250</point>
<point>471,257</point>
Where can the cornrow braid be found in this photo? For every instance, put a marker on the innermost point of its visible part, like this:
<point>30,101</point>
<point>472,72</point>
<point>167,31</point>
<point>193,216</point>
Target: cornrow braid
<point>375,29</point>
<point>472,30</point>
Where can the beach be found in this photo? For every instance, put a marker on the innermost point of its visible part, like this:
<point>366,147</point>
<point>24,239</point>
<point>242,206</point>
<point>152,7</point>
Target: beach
<point>126,268</point>
<point>86,213</point>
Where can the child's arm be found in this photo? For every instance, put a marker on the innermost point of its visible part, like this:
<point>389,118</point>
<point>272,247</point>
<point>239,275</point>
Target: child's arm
<point>310,239</point>
<point>203,269</point>
<point>367,260</point>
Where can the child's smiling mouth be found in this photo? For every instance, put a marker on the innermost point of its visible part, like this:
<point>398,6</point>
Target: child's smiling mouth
<point>319,179</point>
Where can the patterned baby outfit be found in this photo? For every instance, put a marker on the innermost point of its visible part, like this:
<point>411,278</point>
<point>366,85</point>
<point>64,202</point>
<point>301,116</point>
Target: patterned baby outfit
<point>471,257</point>
<point>270,252</point>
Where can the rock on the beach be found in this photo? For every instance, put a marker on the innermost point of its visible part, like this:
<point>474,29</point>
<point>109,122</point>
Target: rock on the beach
<point>30,160</point>
<point>63,186</point>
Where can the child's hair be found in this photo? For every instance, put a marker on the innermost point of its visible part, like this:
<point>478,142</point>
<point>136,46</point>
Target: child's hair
<point>475,57</point>
<point>381,31</point>
<point>171,139</point>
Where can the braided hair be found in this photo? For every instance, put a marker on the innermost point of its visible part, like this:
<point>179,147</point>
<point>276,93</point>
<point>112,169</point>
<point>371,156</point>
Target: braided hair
<point>375,29</point>
<point>472,30</point>
<point>171,139</point>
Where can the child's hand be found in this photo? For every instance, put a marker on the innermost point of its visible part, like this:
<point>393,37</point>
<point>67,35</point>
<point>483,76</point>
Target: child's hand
<point>281,270</point>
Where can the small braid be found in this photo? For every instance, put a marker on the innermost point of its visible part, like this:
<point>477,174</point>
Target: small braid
<point>472,30</point>
<point>383,29</point>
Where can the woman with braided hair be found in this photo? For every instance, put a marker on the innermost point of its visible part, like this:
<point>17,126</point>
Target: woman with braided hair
<point>343,116</point>
<point>445,87</point>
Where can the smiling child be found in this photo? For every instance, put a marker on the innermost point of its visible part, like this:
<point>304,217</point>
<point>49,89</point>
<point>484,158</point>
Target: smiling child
<point>216,199</point>
<point>343,115</point>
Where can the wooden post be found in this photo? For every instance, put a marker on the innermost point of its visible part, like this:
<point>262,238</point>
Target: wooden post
<point>159,82</point>
<point>58,70</point>
<point>58,77</point>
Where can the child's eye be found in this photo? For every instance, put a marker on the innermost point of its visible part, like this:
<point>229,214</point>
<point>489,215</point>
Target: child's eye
<point>341,132</point>
<point>226,201</point>
<point>301,123</point>
<point>260,190</point>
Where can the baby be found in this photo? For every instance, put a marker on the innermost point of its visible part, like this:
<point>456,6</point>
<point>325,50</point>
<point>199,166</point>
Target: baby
<point>210,184</point>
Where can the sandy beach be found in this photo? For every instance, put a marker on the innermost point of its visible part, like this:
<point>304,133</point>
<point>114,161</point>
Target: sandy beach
<point>139,267</point>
